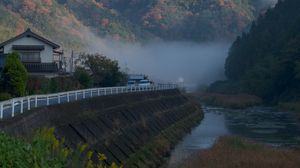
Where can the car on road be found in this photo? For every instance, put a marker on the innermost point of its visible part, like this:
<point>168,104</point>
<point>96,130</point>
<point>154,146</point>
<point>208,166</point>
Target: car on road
<point>144,83</point>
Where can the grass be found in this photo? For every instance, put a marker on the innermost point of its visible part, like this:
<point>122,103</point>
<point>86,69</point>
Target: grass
<point>233,152</point>
<point>230,101</point>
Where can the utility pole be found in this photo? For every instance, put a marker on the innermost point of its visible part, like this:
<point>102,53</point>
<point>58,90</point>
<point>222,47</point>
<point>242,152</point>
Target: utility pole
<point>72,62</point>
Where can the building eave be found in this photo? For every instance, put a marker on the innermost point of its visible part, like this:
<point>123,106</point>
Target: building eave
<point>29,33</point>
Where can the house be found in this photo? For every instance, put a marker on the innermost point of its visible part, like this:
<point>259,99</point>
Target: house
<point>40,56</point>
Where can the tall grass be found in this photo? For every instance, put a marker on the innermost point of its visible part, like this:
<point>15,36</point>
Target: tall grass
<point>229,101</point>
<point>232,152</point>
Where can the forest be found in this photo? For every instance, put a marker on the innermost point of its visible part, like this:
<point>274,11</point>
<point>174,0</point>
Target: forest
<point>265,61</point>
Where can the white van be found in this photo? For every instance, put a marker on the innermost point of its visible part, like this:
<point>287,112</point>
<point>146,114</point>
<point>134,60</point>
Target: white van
<point>144,83</point>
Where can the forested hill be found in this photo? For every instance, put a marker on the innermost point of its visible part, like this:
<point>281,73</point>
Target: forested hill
<point>266,61</point>
<point>66,21</point>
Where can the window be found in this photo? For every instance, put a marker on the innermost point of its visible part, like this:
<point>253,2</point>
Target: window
<point>30,56</point>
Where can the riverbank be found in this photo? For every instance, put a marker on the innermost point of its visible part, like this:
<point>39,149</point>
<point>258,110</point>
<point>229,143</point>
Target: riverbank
<point>230,152</point>
<point>237,101</point>
<point>291,106</point>
<point>264,125</point>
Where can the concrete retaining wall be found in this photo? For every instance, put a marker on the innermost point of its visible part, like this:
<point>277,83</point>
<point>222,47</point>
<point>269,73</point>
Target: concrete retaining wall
<point>121,126</point>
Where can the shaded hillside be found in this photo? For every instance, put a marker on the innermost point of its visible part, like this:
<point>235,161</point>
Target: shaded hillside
<point>44,16</point>
<point>68,21</point>
<point>266,60</point>
<point>170,19</point>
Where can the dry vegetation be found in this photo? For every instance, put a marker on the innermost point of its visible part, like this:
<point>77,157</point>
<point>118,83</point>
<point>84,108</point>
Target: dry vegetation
<point>232,152</point>
<point>230,101</point>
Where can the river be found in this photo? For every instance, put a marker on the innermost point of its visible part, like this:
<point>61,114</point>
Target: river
<point>262,124</point>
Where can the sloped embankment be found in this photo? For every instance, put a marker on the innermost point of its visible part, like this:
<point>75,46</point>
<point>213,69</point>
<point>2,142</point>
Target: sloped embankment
<point>137,129</point>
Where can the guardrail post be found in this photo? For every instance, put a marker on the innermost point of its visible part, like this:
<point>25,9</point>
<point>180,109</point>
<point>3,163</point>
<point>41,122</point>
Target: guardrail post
<point>58,99</point>
<point>98,92</point>
<point>1,111</point>
<point>104,91</point>
<point>91,92</point>
<point>47,100</point>
<point>22,110</point>
<point>76,96</point>
<point>28,103</point>
<point>68,97</point>
<point>83,94</point>
<point>35,101</point>
<point>13,108</point>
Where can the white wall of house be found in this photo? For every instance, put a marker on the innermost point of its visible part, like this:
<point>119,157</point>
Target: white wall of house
<point>46,54</point>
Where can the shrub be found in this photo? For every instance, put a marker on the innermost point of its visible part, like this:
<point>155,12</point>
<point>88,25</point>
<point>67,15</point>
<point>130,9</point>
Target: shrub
<point>5,96</point>
<point>14,75</point>
<point>105,72</point>
<point>46,151</point>
<point>42,85</point>
<point>83,77</point>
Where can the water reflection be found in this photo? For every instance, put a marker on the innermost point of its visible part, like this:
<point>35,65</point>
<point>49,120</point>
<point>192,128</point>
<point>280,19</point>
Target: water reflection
<point>266,125</point>
<point>262,124</point>
<point>202,137</point>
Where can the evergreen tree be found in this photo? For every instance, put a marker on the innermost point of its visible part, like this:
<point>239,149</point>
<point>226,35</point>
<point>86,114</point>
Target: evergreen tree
<point>14,76</point>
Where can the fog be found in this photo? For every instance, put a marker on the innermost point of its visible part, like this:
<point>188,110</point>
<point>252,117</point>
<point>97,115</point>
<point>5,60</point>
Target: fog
<point>192,63</point>
<point>266,3</point>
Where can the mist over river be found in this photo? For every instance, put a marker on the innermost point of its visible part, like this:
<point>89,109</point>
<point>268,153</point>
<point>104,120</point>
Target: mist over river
<point>261,124</point>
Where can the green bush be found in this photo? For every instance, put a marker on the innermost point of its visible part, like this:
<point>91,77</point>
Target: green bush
<point>5,96</point>
<point>105,72</point>
<point>42,85</point>
<point>14,76</point>
<point>83,77</point>
<point>45,151</point>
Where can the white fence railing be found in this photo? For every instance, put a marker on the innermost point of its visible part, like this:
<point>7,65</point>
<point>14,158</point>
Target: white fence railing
<point>11,108</point>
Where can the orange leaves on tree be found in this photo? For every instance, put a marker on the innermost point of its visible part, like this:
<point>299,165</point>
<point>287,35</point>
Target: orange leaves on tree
<point>98,4</point>
<point>155,14</point>
<point>29,5</point>
<point>105,22</point>
<point>48,2</point>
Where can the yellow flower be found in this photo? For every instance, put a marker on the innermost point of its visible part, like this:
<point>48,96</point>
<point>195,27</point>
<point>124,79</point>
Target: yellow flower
<point>66,153</point>
<point>89,155</point>
<point>90,164</point>
<point>55,144</point>
<point>114,165</point>
<point>82,148</point>
<point>102,157</point>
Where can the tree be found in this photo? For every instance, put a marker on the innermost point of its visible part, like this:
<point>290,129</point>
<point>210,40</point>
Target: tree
<point>14,75</point>
<point>83,77</point>
<point>105,72</point>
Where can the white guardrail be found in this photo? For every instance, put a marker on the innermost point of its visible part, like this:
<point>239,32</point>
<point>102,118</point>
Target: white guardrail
<point>12,107</point>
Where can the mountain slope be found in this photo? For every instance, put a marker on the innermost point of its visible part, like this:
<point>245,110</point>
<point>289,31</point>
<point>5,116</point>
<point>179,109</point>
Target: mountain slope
<point>168,19</point>
<point>266,60</point>
<point>67,21</point>
<point>44,16</point>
